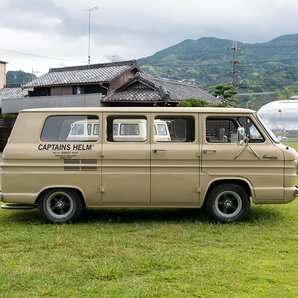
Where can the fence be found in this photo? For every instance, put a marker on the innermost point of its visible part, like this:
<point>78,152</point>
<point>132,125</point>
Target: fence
<point>6,125</point>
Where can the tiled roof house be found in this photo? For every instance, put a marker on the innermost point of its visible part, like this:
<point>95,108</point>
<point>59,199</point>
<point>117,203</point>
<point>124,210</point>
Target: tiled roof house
<point>116,83</point>
<point>147,89</point>
<point>12,93</point>
<point>94,78</point>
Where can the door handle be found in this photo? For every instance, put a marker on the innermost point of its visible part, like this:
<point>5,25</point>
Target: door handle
<point>209,151</point>
<point>158,150</point>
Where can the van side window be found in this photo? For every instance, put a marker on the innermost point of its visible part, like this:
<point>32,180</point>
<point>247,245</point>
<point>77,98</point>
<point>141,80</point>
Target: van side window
<point>221,130</point>
<point>254,135</point>
<point>174,129</point>
<point>224,130</point>
<point>126,129</point>
<point>70,128</point>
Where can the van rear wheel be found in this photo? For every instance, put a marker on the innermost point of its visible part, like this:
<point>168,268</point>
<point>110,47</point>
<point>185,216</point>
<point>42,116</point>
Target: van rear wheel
<point>60,206</point>
<point>228,203</point>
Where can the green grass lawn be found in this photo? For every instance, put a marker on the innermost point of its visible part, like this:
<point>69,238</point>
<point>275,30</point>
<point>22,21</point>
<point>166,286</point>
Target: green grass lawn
<point>292,144</point>
<point>150,253</point>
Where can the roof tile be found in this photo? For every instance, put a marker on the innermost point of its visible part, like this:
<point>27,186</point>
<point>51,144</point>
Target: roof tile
<point>95,73</point>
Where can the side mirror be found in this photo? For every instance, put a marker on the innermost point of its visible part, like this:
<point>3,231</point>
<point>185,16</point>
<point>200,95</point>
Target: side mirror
<point>241,136</point>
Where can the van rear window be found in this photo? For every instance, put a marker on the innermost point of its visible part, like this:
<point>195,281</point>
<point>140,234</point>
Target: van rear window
<point>70,128</point>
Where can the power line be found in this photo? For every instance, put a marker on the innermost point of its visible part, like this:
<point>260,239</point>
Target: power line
<point>40,56</point>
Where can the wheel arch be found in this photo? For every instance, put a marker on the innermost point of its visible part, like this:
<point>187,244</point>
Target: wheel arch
<point>78,191</point>
<point>245,184</point>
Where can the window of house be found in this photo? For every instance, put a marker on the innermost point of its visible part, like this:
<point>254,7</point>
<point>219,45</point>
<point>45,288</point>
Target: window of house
<point>70,128</point>
<point>78,90</point>
<point>174,129</point>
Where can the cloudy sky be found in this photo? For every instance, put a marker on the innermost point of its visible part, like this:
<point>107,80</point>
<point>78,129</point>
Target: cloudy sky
<point>40,34</point>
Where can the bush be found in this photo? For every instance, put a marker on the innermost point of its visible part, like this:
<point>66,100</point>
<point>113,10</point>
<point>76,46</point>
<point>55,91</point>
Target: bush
<point>193,102</point>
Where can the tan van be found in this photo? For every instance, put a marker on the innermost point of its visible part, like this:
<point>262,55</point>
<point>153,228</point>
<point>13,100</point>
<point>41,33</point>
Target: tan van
<point>219,158</point>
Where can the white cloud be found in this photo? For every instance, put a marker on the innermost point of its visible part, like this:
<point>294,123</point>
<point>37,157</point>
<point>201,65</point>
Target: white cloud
<point>131,29</point>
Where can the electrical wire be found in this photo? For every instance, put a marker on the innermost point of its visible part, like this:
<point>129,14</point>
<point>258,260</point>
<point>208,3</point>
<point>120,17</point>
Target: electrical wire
<point>40,56</point>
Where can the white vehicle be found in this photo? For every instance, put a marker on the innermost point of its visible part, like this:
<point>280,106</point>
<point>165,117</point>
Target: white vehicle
<point>124,130</point>
<point>83,130</point>
<point>161,131</point>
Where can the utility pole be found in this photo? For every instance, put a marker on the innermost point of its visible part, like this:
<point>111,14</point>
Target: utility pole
<point>234,63</point>
<point>89,31</point>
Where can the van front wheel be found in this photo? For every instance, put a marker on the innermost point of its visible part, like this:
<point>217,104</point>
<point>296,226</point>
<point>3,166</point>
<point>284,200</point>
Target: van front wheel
<point>228,203</point>
<point>60,206</point>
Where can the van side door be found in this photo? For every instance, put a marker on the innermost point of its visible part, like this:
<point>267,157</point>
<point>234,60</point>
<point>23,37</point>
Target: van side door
<point>175,160</point>
<point>126,159</point>
<point>258,162</point>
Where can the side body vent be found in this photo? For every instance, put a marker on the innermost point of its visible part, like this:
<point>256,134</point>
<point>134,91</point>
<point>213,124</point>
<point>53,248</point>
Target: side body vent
<point>80,165</point>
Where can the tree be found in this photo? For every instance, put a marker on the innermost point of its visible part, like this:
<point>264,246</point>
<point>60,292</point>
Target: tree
<point>226,92</point>
<point>193,102</point>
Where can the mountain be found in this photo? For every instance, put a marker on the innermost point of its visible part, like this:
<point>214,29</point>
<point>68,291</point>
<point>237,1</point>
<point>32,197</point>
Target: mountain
<point>261,67</point>
<point>19,77</point>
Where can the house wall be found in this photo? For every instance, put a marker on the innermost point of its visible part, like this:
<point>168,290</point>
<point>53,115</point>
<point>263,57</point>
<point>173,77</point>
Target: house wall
<point>121,80</point>
<point>85,100</point>
<point>55,91</point>
<point>2,74</point>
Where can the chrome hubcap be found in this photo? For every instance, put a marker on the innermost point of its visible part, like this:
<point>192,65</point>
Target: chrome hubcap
<point>59,205</point>
<point>228,204</point>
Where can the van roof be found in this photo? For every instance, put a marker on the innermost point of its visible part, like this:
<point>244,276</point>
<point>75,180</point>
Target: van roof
<point>138,109</point>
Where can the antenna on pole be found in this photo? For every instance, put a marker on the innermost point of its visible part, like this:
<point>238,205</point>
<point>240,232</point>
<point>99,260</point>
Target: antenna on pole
<point>234,63</point>
<point>89,30</point>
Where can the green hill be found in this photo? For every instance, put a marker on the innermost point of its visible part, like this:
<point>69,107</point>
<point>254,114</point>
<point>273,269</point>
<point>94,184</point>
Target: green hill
<point>261,67</point>
<point>19,77</point>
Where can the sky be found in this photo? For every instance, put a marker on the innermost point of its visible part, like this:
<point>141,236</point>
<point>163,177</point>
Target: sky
<point>36,35</point>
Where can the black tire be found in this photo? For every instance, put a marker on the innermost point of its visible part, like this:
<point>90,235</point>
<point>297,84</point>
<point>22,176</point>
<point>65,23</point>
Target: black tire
<point>228,203</point>
<point>60,205</point>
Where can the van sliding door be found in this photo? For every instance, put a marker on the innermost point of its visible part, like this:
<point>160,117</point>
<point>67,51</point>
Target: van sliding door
<point>175,160</point>
<point>126,160</point>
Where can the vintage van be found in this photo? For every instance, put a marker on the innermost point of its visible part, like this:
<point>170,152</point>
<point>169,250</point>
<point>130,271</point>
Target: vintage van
<point>217,158</point>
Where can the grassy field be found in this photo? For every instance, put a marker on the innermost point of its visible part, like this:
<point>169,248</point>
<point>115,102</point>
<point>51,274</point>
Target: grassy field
<point>293,145</point>
<point>150,253</point>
